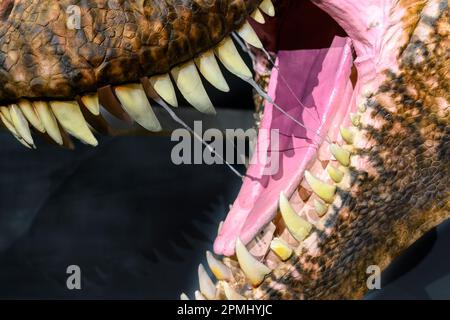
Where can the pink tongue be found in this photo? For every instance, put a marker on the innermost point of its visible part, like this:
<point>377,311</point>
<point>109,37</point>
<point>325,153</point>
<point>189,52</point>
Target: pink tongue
<point>320,79</point>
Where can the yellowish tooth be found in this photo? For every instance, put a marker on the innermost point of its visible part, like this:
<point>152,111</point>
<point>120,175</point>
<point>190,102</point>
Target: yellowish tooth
<point>184,296</point>
<point>347,135</point>
<point>297,226</point>
<point>164,87</point>
<point>220,227</point>
<point>21,124</point>
<point>10,127</point>
<point>92,103</point>
<point>5,111</point>
<point>207,287</point>
<point>71,119</point>
<point>267,7</point>
<point>354,118</point>
<point>258,17</point>
<point>281,248</point>
<point>362,107</point>
<point>31,115</point>
<point>341,155</point>
<point>199,296</point>
<point>188,81</point>
<point>324,190</point>
<point>249,35</point>
<point>335,173</point>
<point>321,208</point>
<point>220,271</point>
<point>254,270</point>
<point>231,59</point>
<point>136,104</point>
<point>230,293</point>
<point>48,120</point>
<point>209,68</point>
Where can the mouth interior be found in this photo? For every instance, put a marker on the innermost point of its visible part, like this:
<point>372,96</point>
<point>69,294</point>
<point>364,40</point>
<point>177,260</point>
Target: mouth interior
<point>314,60</point>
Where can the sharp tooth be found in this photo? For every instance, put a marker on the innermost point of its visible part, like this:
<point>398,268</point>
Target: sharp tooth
<point>48,120</point>
<point>220,271</point>
<point>136,104</point>
<point>21,124</point>
<point>231,59</point>
<point>249,35</point>
<point>199,296</point>
<point>335,173</point>
<point>191,86</point>
<point>209,68</point>
<point>354,118</point>
<point>281,248</point>
<point>71,119</point>
<point>164,88</point>
<point>230,293</point>
<point>220,227</point>
<point>321,208</point>
<point>346,134</point>
<point>184,296</point>
<point>5,111</point>
<point>207,287</point>
<point>258,17</point>
<point>362,107</point>
<point>8,124</point>
<point>267,7</point>
<point>92,103</point>
<point>323,190</point>
<point>254,270</point>
<point>341,155</point>
<point>31,115</point>
<point>297,226</point>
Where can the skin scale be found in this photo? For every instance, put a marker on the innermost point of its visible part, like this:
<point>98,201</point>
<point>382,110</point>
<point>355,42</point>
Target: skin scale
<point>399,189</point>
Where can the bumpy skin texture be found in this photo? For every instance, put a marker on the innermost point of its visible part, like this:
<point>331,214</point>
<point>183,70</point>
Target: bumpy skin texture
<point>118,42</point>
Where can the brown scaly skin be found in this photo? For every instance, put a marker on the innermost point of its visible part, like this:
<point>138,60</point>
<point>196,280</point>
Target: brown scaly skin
<point>119,42</point>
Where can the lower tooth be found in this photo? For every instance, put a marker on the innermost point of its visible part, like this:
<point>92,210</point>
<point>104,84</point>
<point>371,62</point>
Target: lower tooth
<point>325,191</point>
<point>164,88</point>
<point>267,7</point>
<point>297,226</point>
<point>30,115</point>
<point>347,135</point>
<point>355,118</point>
<point>321,208</point>
<point>220,271</point>
<point>199,296</point>
<point>21,124</point>
<point>281,248</point>
<point>254,270</point>
<point>258,17</point>
<point>335,173</point>
<point>341,155</point>
<point>48,120</point>
<point>230,293</point>
<point>207,287</point>
<point>184,296</point>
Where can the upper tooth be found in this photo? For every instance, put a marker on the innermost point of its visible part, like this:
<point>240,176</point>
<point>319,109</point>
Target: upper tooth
<point>135,102</point>
<point>71,119</point>
<point>220,271</point>
<point>21,124</point>
<point>92,103</point>
<point>335,173</point>
<point>164,87</point>
<point>321,208</point>
<point>198,295</point>
<point>209,68</point>
<point>323,190</point>
<point>254,270</point>
<point>281,248</point>
<point>297,226</point>
<point>341,155</point>
<point>30,114</point>
<point>231,59</point>
<point>207,287</point>
<point>184,296</point>
<point>230,293</point>
<point>346,134</point>
<point>354,118</point>
<point>48,120</point>
<point>249,35</point>
<point>258,17</point>
<point>191,86</point>
<point>8,124</point>
<point>267,7</point>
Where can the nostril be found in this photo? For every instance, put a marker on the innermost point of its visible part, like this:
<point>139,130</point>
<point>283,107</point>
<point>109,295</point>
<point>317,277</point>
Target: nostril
<point>6,7</point>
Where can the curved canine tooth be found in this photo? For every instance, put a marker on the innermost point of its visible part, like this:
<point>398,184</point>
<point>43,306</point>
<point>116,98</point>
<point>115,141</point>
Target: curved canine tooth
<point>71,119</point>
<point>254,270</point>
<point>281,248</point>
<point>321,208</point>
<point>49,121</point>
<point>184,296</point>
<point>347,135</point>
<point>267,7</point>
<point>297,226</point>
<point>8,124</point>
<point>199,296</point>
<point>231,59</point>
<point>164,88</point>
<point>249,35</point>
<point>335,173</point>
<point>209,68</point>
<point>92,103</point>
<point>220,271</point>
<point>341,155</point>
<point>207,287</point>
<point>323,190</point>
<point>191,86</point>
<point>230,293</point>
<point>258,17</point>
<point>31,115</point>
<point>354,118</point>
<point>21,124</point>
<point>136,104</point>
